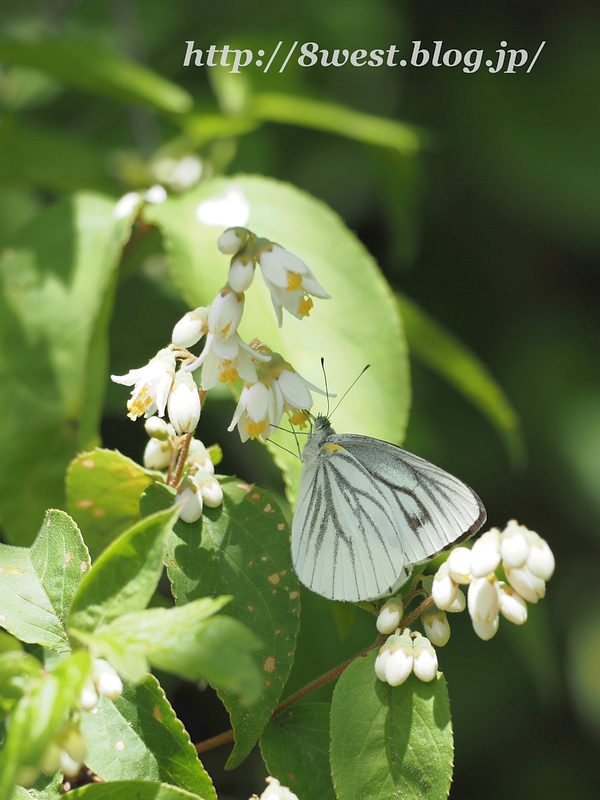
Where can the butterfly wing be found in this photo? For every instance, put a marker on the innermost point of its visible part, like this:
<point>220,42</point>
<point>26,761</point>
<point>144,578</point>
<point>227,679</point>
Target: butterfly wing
<point>346,544</point>
<point>432,509</point>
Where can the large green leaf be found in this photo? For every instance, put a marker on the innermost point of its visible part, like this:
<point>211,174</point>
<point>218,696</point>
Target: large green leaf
<point>295,747</point>
<point>131,790</point>
<point>103,495</point>
<point>125,576</point>
<point>390,742</point>
<point>240,549</point>
<point>85,64</point>
<point>360,325</point>
<point>187,641</point>
<point>56,287</point>
<point>447,356</point>
<point>39,583</point>
<point>139,736</point>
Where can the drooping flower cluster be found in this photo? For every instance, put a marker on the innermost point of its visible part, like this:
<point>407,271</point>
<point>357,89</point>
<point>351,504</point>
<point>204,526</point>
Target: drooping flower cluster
<point>271,386</point>
<point>405,653</point>
<point>527,562</point>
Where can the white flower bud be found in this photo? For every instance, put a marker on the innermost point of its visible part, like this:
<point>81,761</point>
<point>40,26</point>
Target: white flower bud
<point>437,628</point>
<point>390,615</point>
<point>275,791</point>
<point>459,604</point>
<point>425,663</point>
<point>184,403</point>
<point>157,454</point>
<point>241,273</point>
<point>540,560</point>
<point>156,194</point>
<point>444,588</point>
<point>106,679</point>
<point>399,665</point>
<point>225,313</point>
<point>210,489</point>
<point>126,205</point>
<point>486,630</point>
<point>87,699</point>
<point>512,605</point>
<point>459,564</point>
<point>380,662</point>
<point>514,546</point>
<point>483,599</point>
<point>190,500</point>
<point>485,554</point>
<point>198,454</point>
<point>157,428</point>
<point>190,328</point>
<point>528,585</point>
<point>232,240</point>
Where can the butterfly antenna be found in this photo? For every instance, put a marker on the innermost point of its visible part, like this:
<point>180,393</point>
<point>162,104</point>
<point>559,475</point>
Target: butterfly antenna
<point>287,450</point>
<point>354,382</point>
<point>326,386</point>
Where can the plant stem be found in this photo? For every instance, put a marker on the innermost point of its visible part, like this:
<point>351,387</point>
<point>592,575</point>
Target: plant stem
<point>187,438</point>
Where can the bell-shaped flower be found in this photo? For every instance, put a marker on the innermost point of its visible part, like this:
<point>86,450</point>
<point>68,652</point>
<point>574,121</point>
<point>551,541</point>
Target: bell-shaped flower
<point>255,412</point>
<point>190,328</point>
<point>529,586</point>
<point>512,605</point>
<point>226,361</point>
<point>159,428</point>
<point>209,487</point>
<point>107,681</point>
<point>241,272</point>
<point>486,630</point>
<point>514,546</point>
<point>444,588</point>
<point>189,498</point>
<point>390,615</point>
<point>233,240</point>
<point>485,554</point>
<point>289,280</point>
<point>459,565</point>
<point>425,663</point>
<point>400,663</point>
<point>88,697</point>
<point>151,385</point>
<point>225,313</point>
<point>157,454</point>
<point>540,559</point>
<point>199,456</point>
<point>437,628</point>
<point>458,604</point>
<point>184,403</point>
<point>483,599</point>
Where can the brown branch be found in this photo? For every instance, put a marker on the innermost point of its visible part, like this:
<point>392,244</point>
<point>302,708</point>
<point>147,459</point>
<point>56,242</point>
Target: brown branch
<point>187,438</point>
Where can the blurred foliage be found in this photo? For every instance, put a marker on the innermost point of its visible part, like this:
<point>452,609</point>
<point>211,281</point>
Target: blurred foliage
<point>478,195</point>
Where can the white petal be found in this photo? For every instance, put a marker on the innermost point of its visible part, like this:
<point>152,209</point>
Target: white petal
<point>258,402</point>
<point>540,560</point>
<point>425,664</point>
<point>486,630</point>
<point>483,600</point>
<point>273,270</point>
<point>230,242</point>
<point>512,605</point>
<point>380,663</point>
<point>459,564</point>
<point>437,629</point>
<point>398,667</point>
<point>294,390</point>
<point>528,585</point>
<point>444,588</point>
<point>485,555</point>
<point>191,504</point>
<point>289,260</point>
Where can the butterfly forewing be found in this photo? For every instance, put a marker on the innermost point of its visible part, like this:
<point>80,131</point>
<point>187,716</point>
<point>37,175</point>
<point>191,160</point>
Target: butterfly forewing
<point>368,510</point>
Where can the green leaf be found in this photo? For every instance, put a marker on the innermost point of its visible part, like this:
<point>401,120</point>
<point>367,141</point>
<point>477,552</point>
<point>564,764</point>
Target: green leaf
<point>16,670</point>
<point>390,741</point>
<point>46,787</point>
<point>56,284</point>
<point>325,116</point>
<point>39,583</point>
<point>38,715</point>
<point>444,354</point>
<point>295,748</point>
<point>83,63</point>
<point>240,549</point>
<point>103,495</point>
<point>139,736</point>
<point>125,576</point>
<point>187,643</point>
<point>131,790</point>
<point>360,325</point>
<point>42,158</point>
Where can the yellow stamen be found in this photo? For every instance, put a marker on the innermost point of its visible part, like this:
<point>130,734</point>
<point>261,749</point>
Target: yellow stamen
<point>294,281</point>
<point>228,373</point>
<point>299,419</point>
<point>305,307</point>
<point>255,428</point>
<point>137,404</point>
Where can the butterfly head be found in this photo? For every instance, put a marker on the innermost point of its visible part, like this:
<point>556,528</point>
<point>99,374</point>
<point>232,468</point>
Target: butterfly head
<point>321,431</point>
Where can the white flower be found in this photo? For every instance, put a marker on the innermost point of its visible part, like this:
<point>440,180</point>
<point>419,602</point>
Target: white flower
<point>151,385</point>
<point>289,280</point>
<point>199,455</point>
<point>485,554</point>
<point>444,589</point>
<point>241,272</point>
<point>225,313</point>
<point>528,585</point>
<point>157,454</point>
<point>459,565</point>
<point>458,604</point>
<point>232,240</point>
<point>226,361</point>
<point>106,679</point>
<point>437,628</point>
<point>514,546</point>
<point>158,428</point>
<point>390,615</point>
<point>425,663</point>
<point>190,500</point>
<point>486,630</point>
<point>397,666</point>
<point>190,328</point>
<point>88,698</point>
<point>184,403</point>
<point>255,412</point>
<point>156,194</point>
<point>126,205</point>
<point>483,599</point>
<point>512,605</point>
<point>275,791</point>
<point>540,560</point>
<point>380,662</point>
<point>209,487</point>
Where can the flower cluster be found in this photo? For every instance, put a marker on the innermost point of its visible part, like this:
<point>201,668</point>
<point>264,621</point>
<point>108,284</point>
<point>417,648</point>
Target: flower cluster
<point>527,563</point>
<point>405,653</point>
<point>103,682</point>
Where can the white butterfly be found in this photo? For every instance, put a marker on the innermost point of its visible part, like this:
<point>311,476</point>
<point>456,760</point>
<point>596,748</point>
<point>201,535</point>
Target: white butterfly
<point>368,511</point>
